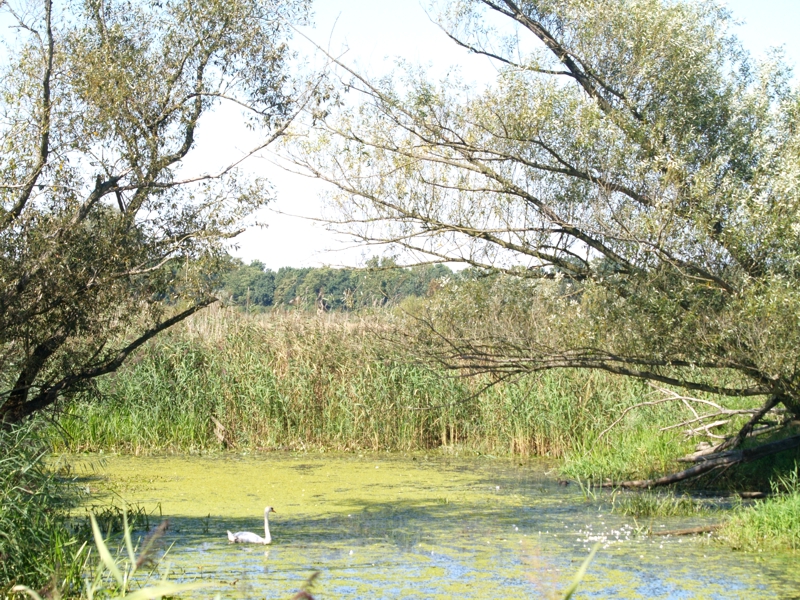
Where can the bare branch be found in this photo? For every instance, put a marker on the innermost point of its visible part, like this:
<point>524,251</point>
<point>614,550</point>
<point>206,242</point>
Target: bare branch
<point>44,125</point>
<point>476,50</point>
<point>740,437</point>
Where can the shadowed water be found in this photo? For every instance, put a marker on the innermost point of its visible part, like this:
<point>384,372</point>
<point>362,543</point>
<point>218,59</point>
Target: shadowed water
<point>400,527</point>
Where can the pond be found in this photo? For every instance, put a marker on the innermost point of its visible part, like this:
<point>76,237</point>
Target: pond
<point>384,526</point>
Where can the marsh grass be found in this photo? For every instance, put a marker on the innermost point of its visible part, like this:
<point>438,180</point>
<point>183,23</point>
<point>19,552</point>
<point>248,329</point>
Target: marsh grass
<point>665,504</point>
<point>113,519</point>
<point>770,524</point>
<point>43,535</point>
<point>36,545</point>
<point>226,380</point>
<point>111,575</point>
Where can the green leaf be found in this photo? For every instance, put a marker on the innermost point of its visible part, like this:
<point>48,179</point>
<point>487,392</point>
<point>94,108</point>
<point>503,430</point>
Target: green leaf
<point>581,573</point>
<point>105,555</point>
<point>128,542</point>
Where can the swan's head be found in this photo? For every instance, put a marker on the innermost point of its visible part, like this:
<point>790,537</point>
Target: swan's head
<point>268,510</point>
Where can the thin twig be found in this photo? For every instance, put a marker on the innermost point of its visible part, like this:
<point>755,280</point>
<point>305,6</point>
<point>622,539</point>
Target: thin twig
<point>630,408</point>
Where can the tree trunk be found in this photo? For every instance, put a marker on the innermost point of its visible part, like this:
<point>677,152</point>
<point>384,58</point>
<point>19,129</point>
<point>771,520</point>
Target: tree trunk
<point>792,405</point>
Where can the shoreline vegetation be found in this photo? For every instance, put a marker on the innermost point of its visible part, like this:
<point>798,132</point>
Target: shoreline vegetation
<point>227,379</point>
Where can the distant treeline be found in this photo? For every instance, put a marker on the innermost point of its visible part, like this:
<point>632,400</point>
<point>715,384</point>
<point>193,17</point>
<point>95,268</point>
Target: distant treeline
<point>381,283</point>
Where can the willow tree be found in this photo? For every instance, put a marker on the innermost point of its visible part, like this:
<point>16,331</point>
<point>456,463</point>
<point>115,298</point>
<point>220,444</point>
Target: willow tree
<point>104,239</point>
<point>631,169</point>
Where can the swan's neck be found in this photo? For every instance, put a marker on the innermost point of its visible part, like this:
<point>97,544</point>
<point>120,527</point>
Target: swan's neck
<point>267,536</point>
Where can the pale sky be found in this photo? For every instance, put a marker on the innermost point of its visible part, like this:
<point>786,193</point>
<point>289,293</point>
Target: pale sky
<point>375,33</point>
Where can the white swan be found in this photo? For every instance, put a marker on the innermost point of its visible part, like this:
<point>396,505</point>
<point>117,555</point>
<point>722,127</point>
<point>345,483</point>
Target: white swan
<point>245,537</point>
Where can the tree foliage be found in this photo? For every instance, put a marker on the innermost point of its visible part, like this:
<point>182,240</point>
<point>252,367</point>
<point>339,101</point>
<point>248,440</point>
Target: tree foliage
<point>383,282</point>
<point>100,103</point>
<point>632,170</point>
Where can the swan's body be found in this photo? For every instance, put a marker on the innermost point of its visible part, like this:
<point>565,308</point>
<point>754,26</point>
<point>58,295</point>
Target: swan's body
<point>246,537</point>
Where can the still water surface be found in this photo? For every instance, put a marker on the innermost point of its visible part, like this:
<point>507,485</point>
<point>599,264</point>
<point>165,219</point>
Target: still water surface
<point>383,526</point>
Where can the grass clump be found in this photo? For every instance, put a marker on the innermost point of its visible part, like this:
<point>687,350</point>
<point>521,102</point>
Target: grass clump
<point>107,575</point>
<point>635,450</point>
<point>36,546</point>
<point>649,504</point>
<point>770,524</point>
<point>113,519</point>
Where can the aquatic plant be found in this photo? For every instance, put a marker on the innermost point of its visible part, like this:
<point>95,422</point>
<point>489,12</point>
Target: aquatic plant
<point>42,543</point>
<point>304,593</point>
<point>113,519</point>
<point>573,587</point>
<point>651,504</point>
<point>112,576</point>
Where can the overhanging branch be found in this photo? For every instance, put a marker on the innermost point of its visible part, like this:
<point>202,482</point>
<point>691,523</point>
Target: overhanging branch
<point>14,412</point>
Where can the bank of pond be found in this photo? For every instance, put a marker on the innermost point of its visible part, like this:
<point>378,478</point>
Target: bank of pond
<point>423,525</point>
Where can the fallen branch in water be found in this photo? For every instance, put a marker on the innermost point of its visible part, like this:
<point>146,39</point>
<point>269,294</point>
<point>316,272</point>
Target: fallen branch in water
<point>752,495</point>
<point>691,531</point>
<point>719,460</point>
<point>716,450</point>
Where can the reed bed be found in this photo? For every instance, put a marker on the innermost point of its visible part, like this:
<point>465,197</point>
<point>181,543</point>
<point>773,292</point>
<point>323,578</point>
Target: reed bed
<point>300,381</point>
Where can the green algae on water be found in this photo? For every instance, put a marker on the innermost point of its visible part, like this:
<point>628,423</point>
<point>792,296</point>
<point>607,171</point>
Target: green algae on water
<point>385,526</point>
